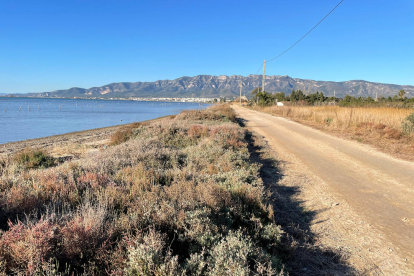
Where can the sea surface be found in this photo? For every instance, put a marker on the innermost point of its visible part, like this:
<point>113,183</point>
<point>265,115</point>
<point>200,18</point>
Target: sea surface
<point>29,118</point>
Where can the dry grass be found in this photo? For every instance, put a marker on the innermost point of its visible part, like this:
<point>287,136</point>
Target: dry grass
<point>383,127</point>
<point>342,117</point>
<point>179,197</point>
<point>70,149</point>
<point>125,133</point>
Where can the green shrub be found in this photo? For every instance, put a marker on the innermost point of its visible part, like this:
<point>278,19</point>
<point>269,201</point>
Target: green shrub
<point>33,159</point>
<point>408,124</point>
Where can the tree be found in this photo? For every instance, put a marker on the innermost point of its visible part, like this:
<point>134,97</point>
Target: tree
<point>401,94</point>
<point>256,90</point>
<point>370,100</point>
<point>347,99</point>
<point>280,96</point>
<point>262,98</point>
<point>265,98</point>
<point>321,97</point>
<point>299,95</point>
<point>293,96</point>
<point>254,93</point>
<point>215,100</point>
<point>312,98</point>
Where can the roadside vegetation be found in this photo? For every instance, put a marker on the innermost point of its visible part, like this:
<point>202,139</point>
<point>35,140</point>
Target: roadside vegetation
<point>177,196</point>
<point>299,98</point>
<point>387,123</point>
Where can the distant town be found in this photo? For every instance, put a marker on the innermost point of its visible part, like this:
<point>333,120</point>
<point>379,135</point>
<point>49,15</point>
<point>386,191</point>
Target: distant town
<point>197,100</point>
<point>151,99</point>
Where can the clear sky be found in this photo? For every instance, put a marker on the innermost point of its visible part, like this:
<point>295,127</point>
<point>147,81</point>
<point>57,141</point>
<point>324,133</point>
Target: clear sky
<point>49,45</point>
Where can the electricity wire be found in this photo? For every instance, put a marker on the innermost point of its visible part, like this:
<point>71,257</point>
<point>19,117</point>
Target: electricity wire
<point>302,36</point>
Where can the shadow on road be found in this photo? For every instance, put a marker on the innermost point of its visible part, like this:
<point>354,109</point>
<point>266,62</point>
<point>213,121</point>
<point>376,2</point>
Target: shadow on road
<point>303,257</point>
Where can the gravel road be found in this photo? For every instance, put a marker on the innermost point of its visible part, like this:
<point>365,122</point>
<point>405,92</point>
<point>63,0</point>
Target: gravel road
<point>375,187</point>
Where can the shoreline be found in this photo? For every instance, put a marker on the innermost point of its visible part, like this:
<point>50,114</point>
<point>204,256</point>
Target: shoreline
<point>202,100</point>
<point>79,137</point>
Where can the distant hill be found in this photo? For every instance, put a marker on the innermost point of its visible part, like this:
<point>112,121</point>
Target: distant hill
<point>228,86</point>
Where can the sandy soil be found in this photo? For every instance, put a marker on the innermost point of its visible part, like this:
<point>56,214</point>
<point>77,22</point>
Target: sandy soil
<point>87,137</point>
<point>89,140</point>
<point>360,201</point>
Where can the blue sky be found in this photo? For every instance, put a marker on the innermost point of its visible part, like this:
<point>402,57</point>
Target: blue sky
<point>49,45</point>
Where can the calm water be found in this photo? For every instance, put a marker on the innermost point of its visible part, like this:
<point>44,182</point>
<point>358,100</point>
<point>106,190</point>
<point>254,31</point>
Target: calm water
<point>45,117</point>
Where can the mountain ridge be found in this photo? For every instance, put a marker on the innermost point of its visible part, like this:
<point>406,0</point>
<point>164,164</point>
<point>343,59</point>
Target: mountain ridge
<point>228,86</point>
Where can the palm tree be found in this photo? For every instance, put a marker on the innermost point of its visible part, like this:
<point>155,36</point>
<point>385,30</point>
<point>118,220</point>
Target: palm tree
<point>401,94</point>
<point>255,93</point>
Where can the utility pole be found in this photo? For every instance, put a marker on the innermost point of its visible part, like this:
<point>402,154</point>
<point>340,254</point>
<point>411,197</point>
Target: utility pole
<point>376,96</point>
<point>334,94</point>
<point>240,90</point>
<point>263,82</point>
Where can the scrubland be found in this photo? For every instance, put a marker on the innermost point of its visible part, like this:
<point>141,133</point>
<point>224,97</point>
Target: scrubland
<point>390,129</point>
<point>176,196</point>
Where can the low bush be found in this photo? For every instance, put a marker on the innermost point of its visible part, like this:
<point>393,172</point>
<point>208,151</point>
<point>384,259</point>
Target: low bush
<point>124,134</point>
<point>33,159</point>
<point>179,197</point>
<point>221,112</point>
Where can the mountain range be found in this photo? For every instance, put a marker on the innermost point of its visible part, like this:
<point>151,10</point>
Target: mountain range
<point>229,86</point>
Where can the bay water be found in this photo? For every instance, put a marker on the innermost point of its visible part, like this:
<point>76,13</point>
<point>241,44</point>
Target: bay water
<point>29,118</point>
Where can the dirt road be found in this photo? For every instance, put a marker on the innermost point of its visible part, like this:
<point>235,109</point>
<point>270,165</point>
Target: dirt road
<point>376,188</point>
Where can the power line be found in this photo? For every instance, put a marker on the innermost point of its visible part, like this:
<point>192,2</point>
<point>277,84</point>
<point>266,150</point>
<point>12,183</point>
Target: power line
<point>302,36</point>
<point>307,32</point>
<point>259,69</point>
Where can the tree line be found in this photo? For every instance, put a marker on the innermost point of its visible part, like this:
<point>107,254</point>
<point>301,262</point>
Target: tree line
<point>298,97</point>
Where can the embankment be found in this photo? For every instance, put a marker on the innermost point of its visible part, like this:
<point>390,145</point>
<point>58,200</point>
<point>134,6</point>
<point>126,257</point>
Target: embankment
<point>173,196</point>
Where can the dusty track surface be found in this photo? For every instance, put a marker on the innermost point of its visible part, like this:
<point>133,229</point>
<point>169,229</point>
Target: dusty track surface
<point>363,200</point>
